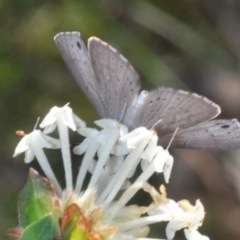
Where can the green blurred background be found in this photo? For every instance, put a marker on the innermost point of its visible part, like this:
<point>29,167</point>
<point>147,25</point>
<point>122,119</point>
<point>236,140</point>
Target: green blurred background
<point>193,45</point>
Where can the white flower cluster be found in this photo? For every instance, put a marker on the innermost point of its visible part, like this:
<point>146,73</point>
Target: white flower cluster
<point>112,155</point>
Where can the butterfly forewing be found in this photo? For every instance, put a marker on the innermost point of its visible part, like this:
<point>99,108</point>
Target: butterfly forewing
<point>76,57</point>
<point>174,108</point>
<point>211,135</point>
<point>118,80</point>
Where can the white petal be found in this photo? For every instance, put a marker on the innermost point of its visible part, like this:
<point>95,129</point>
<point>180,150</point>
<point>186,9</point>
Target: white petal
<point>172,227</point>
<point>199,215</point>
<point>82,147</point>
<point>67,118</point>
<point>88,132</point>
<point>106,123</point>
<point>22,146</point>
<point>120,149</point>
<point>51,117</point>
<point>149,151</point>
<point>123,130</point>
<point>194,235</point>
<point>103,135</point>
<point>136,136</point>
<point>50,142</point>
<point>168,168</point>
<point>156,211</point>
<point>170,204</point>
<point>29,156</point>
<point>50,128</point>
<point>160,159</point>
<point>133,133</point>
<point>78,121</point>
<point>170,232</point>
<point>43,140</point>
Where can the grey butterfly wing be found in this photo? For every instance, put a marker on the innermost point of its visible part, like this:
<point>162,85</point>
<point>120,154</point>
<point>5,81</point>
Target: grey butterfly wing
<point>76,57</point>
<point>117,79</point>
<point>175,108</point>
<point>211,135</point>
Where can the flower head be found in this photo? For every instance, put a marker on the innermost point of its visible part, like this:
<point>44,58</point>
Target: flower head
<point>111,155</point>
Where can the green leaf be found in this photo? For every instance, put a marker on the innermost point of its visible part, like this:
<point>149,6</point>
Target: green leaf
<point>42,229</point>
<point>74,224</point>
<point>36,199</point>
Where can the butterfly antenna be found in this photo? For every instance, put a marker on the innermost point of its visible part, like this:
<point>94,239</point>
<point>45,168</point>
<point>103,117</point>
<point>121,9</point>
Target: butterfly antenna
<point>67,104</point>
<point>36,123</point>
<point>154,125</point>
<point>123,111</point>
<point>173,136</point>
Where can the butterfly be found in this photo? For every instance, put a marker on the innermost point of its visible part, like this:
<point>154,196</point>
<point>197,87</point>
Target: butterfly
<point>112,84</point>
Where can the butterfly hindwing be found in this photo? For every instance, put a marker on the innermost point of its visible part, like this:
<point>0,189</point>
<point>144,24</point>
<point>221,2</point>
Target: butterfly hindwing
<point>211,135</point>
<point>174,108</point>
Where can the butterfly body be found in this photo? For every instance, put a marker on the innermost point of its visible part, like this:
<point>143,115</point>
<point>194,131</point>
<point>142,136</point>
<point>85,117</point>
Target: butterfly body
<point>113,87</point>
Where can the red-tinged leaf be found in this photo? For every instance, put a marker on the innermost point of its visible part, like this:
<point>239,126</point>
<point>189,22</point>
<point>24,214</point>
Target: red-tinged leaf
<point>74,224</point>
<point>36,199</point>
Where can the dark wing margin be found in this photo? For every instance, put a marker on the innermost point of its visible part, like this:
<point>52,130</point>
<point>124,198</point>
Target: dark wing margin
<point>213,135</point>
